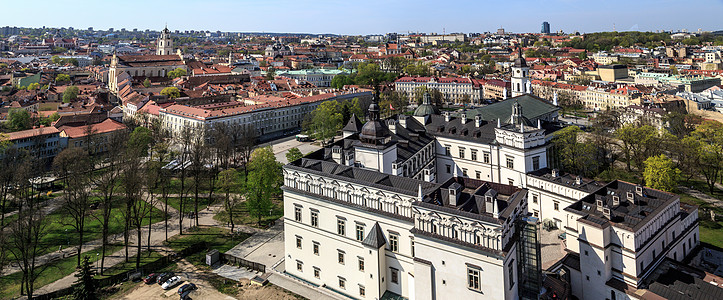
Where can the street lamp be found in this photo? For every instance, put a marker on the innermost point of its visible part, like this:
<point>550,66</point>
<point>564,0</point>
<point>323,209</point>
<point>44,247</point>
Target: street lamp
<point>97,259</point>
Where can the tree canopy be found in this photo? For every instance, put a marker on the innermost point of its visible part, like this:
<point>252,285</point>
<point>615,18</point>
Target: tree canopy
<point>70,94</point>
<point>178,72</point>
<point>326,119</point>
<point>62,78</point>
<point>18,119</point>
<point>293,154</point>
<point>660,173</point>
<point>172,92</point>
<point>263,182</point>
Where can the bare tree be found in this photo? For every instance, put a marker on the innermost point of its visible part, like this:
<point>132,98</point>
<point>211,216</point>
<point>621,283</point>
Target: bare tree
<point>183,142</point>
<point>247,142</point>
<point>76,167</point>
<point>30,227</point>
<point>107,183</point>
<point>198,155</point>
<point>9,163</point>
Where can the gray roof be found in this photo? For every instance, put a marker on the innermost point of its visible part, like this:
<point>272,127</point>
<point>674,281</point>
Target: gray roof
<point>354,124</point>
<point>426,109</point>
<point>533,108</point>
<point>375,238</point>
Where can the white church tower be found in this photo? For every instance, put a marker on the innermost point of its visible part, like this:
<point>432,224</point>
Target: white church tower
<point>165,43</point>
<point>520,72</point>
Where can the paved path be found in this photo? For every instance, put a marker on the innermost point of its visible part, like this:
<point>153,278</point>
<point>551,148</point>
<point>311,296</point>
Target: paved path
<point>702,196</point>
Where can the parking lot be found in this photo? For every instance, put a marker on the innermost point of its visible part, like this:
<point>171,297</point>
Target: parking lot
<point>282,146</point>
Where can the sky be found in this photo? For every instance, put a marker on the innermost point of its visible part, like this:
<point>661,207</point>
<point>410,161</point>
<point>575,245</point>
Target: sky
<point>367,16</point>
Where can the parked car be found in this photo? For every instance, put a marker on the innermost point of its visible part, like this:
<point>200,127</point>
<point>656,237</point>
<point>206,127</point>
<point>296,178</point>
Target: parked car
<point>173,281</point>
<point>163,278</point>
<point>151,278</point>
<point>185,294</point>
<point>186,288</point>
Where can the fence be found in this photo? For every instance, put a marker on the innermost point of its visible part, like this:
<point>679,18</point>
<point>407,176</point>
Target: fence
<point>240,262</point>
<point>146,268</point>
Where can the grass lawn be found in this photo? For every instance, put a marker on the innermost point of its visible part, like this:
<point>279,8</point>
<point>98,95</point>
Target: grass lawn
<point>241,215</point>
<point>130,265</point>
<point>10,285</point>
<point>215,238</point>
<point>59,232</point>
<point>188,204</point>
<point>175,185</point>
<point>711,232</point>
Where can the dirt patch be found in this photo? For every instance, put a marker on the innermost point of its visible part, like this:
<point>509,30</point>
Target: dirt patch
<point>247,290</point>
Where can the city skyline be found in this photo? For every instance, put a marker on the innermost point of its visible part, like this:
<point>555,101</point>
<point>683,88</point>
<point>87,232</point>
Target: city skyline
<point>372,17</point>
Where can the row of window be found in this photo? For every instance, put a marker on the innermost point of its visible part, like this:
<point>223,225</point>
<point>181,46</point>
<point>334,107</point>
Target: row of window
<point>341,282</point>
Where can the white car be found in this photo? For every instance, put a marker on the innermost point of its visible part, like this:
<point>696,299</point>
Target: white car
<point>171,282</point>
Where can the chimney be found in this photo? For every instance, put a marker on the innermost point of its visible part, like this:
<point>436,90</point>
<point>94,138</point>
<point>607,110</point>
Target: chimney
<point>447,116</point>
<point>403,120</point>
<point>477,121</point>
<point>454,193</point>
<point>336,154</point>
<point>554,173</point>
<point>392,124</point>
<point>578,180</point>
<point>464,118</point>
<point>490,199</point>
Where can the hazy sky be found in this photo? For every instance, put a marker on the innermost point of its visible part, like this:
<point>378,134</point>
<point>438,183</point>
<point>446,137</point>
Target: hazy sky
<point>366,16</point>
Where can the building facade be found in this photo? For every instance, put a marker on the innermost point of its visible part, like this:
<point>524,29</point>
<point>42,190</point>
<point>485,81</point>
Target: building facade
<point>454,89</point>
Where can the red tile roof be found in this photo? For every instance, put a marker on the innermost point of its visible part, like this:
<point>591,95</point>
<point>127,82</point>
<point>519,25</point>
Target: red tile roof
<point>106,126</point>
<point>31,133</point>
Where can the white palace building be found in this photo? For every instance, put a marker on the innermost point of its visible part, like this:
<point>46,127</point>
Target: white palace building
<point>435,206</point>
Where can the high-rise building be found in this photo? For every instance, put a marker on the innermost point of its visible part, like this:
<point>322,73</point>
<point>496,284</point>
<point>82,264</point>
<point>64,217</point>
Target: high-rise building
<point>545,27</point>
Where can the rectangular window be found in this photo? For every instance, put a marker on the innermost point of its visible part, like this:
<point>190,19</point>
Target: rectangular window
<point>362,291</point>
<point>477,174</point>
<point>557,206</point>
<point>342,283</point>
<point>461,152</point>
<point>510,181</point>
<point>395,275</point>
<point>449,169</point>
<point>341,257</point>
<point>411,238</point>
<point>447,150</point>
<point>299,266</point>
<point>340,227</point>
<point>510,162</point>
<point>535,163</point>
<point>486,157</point>
<point>316,248</point>
<point>534,198</point>
<point>361,264</point>
<point>297,213</point>
<point>464,172</point>
<point>359,232</point>
<point>394,243</point>
<point>314,218</point>
<point>317,273</point>
<point>511,271</point>
<point>474,155</point>
<point>298,242</point>
<point>473,282</point>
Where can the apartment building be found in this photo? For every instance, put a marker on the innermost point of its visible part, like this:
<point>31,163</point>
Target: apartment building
<point>454,89</point>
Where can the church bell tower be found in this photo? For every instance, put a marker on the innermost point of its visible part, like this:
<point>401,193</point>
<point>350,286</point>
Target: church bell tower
<point>520,80</point>
<point>165,43</point>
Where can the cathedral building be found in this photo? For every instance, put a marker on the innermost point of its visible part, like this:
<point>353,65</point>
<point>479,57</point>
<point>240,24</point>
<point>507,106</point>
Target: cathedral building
<point>144,66</point>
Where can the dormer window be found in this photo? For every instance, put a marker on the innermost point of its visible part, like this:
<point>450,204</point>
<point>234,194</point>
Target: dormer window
<point>631,196</point>
<point>616,200</point>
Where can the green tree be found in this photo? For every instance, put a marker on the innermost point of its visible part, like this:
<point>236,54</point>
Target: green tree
<point>50,119</point>
<point>18,119</point>
<point>33,86</point>
<point>140,140</point>
<point>638,143</point>
<point>271,74</point>
<point>62,78</point>
<point>85,287</point>
<point>70,94</point>
<point>147,83</point>
<point>339,81</point>
<point>59,50</point>
<point>56,60</point>
<point>710,154</point>
<point>349,108</point>
<point>326,119</point>
<point>660,173</point>
<point>294,154</point>
<point>178,72</point>
<point>572,155</point>
<point>674,70</point>
<point>263,182</point>
<point>172,92</point>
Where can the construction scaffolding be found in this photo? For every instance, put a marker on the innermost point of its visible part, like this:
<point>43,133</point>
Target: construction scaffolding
<point>529,258</point>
